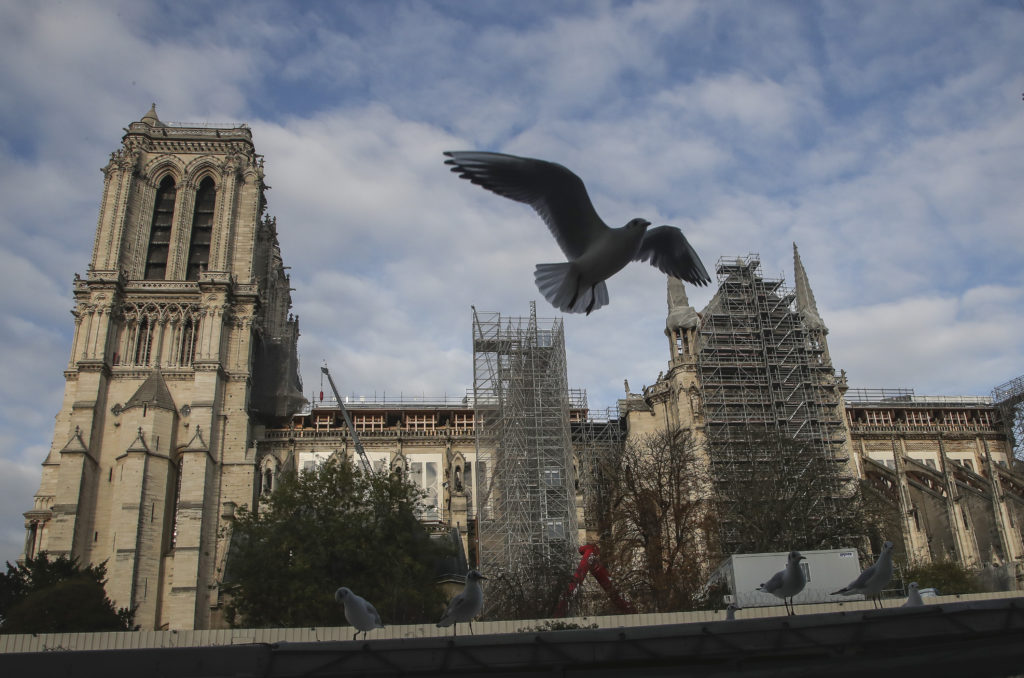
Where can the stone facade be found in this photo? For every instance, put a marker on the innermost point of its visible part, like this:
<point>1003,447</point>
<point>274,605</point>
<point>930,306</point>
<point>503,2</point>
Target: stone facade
<point>182,399</point>
<point>166,388</point>
<point>944,464</point>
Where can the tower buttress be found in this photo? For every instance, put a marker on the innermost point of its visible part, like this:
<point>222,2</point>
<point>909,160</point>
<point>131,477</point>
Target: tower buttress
<point>182,325</point>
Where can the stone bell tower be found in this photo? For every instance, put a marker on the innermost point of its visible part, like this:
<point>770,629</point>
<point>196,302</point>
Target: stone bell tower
<point>184,348</point>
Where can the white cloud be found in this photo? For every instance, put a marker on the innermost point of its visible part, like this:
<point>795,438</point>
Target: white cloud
<point>882,137</point>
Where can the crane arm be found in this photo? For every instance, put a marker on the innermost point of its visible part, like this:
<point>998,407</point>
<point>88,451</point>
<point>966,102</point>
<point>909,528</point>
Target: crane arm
<point>348,422</point>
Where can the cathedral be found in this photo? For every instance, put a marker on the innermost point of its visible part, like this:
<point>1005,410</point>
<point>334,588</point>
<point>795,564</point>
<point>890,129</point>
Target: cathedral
<point>183,350</point>
<point>183,401</point>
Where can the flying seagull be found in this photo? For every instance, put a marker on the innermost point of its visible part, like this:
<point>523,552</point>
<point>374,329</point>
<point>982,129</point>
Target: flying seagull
<point>594,251</point>
<point>465,606</point>
<point>872,580</point>
<point>788,582</point>
<point>913,596</point>
<point>358,611</point>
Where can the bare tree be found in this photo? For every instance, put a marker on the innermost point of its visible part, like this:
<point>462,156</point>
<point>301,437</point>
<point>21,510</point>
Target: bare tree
<point>530,589</point>
<point>658,520</point>
<point>776,494</point>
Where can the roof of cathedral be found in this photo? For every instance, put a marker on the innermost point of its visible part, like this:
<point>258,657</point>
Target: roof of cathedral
<point>805,303</point>
<point>153,392</point>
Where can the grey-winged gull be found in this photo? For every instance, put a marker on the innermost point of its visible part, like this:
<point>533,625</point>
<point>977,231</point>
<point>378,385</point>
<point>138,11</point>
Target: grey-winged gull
<point>594,251</point>
<point>872,580</point>
<point>358,611</point>
<point>465,606</point>
<point>913,596</point>
<point>788,582</point>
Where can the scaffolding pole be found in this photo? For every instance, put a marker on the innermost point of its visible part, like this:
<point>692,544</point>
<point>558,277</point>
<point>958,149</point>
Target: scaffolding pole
<point>761,367</point>
<point>1009,398</point>
<point>524,471</point>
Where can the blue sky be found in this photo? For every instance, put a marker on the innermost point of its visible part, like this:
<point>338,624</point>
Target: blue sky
<point>885,138</point>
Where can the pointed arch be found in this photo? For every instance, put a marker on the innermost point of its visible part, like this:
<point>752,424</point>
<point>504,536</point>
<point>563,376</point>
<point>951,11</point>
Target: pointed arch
<point>202,229</point>
<point>160,230</point>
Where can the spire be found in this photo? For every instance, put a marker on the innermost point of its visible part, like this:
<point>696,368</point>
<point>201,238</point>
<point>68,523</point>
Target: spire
<point>76,444</point>
<point>150,117</point>
<point>139,444</point>
<point>680,313</point>
<point>805,303</point>
<point>153,392</point>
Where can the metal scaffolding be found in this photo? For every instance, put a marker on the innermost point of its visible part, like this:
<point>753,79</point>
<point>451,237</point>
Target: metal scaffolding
<point>598,438</point>
<point>1009,398</point>
<point>761,367</point>
<point>526,495</point>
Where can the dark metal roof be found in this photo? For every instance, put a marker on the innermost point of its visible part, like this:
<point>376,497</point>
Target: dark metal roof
<point>153,392</point>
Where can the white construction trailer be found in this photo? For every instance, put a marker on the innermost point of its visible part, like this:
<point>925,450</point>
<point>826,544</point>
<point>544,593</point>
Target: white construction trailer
<point>826,571</point>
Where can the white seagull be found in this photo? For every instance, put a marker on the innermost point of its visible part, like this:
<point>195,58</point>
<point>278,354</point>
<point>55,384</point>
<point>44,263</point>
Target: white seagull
<point>358,611</point>
<point>872,580</point>
<point>788,582</point>
<point>595,251</point>
<point>913,597</point>
<point>465,606</point>
<point>730,611</point>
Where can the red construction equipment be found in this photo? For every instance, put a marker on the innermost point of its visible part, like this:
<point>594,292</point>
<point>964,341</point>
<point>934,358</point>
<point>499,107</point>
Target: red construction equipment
<point>590,563</point>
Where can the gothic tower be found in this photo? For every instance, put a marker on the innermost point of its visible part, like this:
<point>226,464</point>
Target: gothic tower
<point>183,350</point>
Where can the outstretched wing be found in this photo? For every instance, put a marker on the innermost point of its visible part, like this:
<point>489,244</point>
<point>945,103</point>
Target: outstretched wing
<point>558,195</point>
<point>668,250</point>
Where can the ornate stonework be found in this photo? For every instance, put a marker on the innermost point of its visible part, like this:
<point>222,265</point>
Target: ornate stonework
<point>121,483</point>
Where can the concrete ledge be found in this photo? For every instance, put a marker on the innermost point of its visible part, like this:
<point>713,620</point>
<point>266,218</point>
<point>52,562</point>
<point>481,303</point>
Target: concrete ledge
<point>977,638</point>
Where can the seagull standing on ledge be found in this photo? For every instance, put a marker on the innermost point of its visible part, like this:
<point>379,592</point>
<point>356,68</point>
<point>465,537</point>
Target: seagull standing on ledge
<point>465,606</point>
<point>595,251</point>
<point>913,596</point>
<point>872,580</point>
<point>788,582</point>
<point>358,611</point>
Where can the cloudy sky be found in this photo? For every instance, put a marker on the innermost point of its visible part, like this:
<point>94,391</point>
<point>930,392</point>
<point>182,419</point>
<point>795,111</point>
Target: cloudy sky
<point>885,138</point>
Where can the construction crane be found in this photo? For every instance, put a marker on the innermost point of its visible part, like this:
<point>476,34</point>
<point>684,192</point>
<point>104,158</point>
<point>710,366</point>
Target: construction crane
<point>348,421</point>
<point>590,563</point>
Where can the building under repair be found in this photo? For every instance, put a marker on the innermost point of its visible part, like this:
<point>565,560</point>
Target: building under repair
<point>757,355</point>
<point>182,382</point>
<point>763,365</point>
<point>526,513</point>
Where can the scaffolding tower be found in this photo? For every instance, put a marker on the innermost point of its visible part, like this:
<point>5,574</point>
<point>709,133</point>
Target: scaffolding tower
<point>598,437</point>
<point>1009,398</point>
<point>761,367</point>
<point>524,471</point>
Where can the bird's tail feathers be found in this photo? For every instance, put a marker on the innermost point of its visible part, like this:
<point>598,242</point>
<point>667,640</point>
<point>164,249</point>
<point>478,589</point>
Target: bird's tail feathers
<point>558,284</point>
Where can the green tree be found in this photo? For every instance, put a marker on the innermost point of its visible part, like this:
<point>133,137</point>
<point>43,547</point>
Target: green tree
<point>58,596</point>
<point>334,526</point>
<point>947,576</point>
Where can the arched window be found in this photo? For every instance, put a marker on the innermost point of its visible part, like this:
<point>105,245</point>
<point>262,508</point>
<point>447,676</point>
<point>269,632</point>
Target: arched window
<point>143,348</point>
<point>178,469</point>
<point>160,231</point>
<point>202,230</point>
<point>187,343</point>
